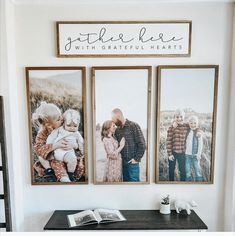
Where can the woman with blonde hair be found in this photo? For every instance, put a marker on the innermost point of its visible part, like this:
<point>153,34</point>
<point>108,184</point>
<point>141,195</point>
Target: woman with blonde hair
<point>47,117</point>
<point>113,170</point>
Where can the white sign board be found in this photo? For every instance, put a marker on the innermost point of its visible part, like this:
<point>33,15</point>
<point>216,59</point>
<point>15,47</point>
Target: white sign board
<point>124,39</point>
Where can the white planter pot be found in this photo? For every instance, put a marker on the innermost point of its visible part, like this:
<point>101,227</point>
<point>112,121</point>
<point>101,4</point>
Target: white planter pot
<point>165,209</point>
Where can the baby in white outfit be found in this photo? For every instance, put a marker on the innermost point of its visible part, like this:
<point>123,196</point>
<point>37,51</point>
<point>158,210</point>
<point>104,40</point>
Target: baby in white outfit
<point>69,132</point>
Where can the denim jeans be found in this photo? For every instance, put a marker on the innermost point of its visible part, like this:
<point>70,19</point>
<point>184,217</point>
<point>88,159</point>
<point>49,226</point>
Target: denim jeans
<point>193,163</point>
<point>131,172</point>
<point>180,158</point>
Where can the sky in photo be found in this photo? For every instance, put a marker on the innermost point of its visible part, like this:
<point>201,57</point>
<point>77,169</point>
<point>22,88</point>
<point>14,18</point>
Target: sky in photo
<point>72,75</point>
<point>187,88</point>
<point>124,89</point>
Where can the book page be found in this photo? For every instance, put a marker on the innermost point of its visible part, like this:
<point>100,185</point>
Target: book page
<point>108,215</point>
<point>82,218</point>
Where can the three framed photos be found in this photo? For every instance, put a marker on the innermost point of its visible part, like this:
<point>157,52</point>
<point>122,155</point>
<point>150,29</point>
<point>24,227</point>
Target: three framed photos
<point>121,106</point>
<point>187,101</point>
<point>57,124</point>
<point>121,112</point>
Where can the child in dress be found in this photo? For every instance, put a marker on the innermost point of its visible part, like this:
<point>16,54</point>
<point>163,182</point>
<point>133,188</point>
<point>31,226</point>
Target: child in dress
<point>193,151</point>
<point>68,132</point>
<point>48,117</point>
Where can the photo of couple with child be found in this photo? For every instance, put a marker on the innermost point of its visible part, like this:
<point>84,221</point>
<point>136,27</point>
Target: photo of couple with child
<point>56,104</point>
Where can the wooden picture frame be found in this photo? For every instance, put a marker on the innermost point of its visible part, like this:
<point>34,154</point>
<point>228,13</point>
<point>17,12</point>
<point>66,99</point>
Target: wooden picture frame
<point>124,38</point>
<point>111,97</point>
<point>50,92</point>
<point>186,123</point>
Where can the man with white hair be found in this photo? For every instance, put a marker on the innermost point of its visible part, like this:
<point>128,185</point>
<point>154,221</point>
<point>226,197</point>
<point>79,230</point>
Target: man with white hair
<point>134,148</point>
<point>175,145</point>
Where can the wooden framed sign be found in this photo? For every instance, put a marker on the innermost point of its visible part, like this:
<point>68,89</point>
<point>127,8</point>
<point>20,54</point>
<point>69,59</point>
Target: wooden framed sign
<point>124,38</point>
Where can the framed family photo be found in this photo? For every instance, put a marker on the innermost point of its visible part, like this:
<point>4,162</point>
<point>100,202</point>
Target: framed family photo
<point>186,123</point>
<point>57,124</point>
<point>121,119</point>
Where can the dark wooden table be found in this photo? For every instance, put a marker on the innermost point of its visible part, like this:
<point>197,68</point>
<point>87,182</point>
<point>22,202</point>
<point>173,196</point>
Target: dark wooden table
<point>136,220</point>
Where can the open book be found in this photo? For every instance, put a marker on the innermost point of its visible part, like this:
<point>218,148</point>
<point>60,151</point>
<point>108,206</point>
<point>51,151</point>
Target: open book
<point>94,217</point>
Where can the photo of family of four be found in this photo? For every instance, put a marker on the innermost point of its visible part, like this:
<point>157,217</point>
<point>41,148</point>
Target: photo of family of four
<point>125,145</point>
<point>184,146</point>
<point>58,144</point>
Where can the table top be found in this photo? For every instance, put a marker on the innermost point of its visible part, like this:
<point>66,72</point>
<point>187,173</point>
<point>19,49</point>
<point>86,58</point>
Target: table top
<point>135,220</point>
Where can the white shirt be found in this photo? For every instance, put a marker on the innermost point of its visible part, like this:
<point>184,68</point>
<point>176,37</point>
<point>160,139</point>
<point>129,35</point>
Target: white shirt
<point>189,144</point>
<point>60,133</point>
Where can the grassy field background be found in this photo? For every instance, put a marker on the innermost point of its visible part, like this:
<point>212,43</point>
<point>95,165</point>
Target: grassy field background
<point>63,90</point>
<point>205,124</point>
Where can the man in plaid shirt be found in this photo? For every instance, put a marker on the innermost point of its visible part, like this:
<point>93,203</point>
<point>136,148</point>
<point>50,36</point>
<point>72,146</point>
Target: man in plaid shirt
<point>134,148</point>
<point>175,145</point>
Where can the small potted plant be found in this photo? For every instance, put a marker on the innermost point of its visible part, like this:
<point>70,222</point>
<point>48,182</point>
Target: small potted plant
<point>165,205</point>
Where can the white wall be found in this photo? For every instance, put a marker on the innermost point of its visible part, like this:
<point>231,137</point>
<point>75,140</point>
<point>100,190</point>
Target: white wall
<point>9,90</point>
<point>33,37</point>
<point>230,174</point>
